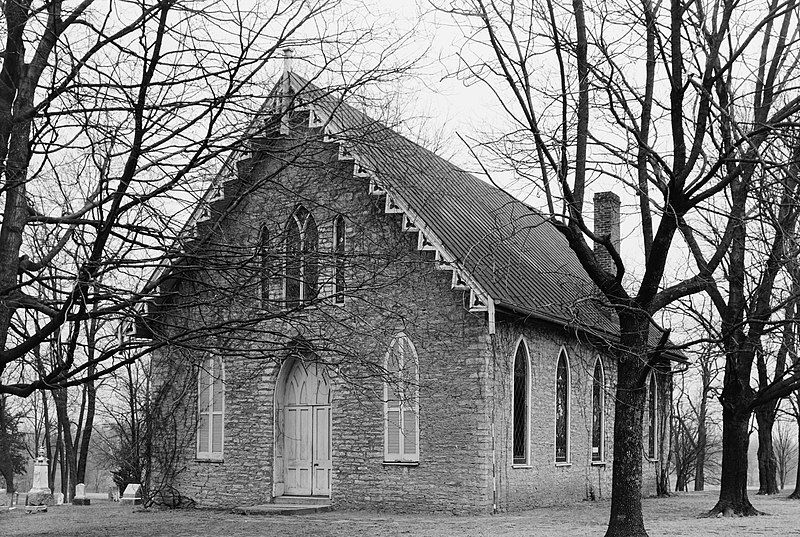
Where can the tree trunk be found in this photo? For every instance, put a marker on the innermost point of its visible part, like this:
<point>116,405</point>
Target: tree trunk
<point>69,461</point>
<point>664,433</point>
<point>9,479</point>
<point>83,451</point>
<point>6,456</point>
<point>702,442</point>
<point>64,470</point>
<point>680,482</point>
<point>52,455</point>
<point>796,494</point>
<point>680,464</point>
<point>626,491</point>
<point>767,462</point>
<point>735,441</point>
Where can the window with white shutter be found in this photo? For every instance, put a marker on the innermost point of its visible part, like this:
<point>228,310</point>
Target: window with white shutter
<point>211,409</point>
<point>401,402</point>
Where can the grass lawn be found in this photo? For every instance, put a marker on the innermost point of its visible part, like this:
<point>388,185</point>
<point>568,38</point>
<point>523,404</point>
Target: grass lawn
<point>678,515</point>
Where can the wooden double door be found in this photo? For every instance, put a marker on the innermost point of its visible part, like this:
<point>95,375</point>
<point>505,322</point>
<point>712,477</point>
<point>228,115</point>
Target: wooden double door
<point>307,432</point>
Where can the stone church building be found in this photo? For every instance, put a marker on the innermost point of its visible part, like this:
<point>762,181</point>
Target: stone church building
<point>357,321</point>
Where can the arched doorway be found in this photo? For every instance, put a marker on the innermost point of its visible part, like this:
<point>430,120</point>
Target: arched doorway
<point>306,434</point>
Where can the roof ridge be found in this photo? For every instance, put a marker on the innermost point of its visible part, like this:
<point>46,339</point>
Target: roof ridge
<point>449,164</point>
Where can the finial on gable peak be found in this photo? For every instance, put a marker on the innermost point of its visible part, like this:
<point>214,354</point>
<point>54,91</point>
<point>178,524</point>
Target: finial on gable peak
<point>288,60</point>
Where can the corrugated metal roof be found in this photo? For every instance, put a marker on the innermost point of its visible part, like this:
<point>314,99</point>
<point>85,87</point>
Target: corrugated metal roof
<point>520,259</point>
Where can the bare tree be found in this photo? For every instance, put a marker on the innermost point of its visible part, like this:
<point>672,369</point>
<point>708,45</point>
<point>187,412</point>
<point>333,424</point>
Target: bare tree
<point>696,446</point>
<point>107,128</point>
<point>794,402</point>
<point>675,132</point>
<point>785,452</point>
<point>12,445</point>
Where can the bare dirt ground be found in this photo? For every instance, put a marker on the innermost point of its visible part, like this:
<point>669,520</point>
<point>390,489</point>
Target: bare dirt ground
<point>678,515</point>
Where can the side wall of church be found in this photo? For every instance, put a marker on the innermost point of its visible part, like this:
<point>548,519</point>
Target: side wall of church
<point>542,481</point>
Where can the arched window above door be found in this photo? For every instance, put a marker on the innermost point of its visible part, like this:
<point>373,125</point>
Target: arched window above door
<point>265,265</point>
<point>302,264</point>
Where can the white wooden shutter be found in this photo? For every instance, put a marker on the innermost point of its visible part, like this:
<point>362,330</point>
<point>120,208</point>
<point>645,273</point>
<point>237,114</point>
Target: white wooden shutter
<point>393,437</point>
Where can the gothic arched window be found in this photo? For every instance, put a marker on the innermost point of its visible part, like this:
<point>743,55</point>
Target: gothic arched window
<point>302,270</point>
<point>652,414</point>
<point>598,404</point>
<point>562,408</point>
<point>338,251</point>
<point>521,404</point>
<point>265,265</point>
<point>401,402</point>
<point>211,409</point>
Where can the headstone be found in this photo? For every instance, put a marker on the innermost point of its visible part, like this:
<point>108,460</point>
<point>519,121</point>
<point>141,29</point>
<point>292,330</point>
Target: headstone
<point>132,494</point>
<point>40,475</point>
<point>40,493</point>
<point>80,495</point>
<point>58,498</point>
<point>113,493</point>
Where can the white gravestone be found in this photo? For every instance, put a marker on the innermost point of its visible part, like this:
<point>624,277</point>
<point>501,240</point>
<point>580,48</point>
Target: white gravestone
<point>132,494</point>
<point>58,498</point>
<point>40,493</point>
<point>40,475</point>
<point>80,495</point>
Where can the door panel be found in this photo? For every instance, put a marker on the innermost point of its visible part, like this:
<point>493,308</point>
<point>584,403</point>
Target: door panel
<point>298,450</point>
<point>307,432</point>
<point>322,465</point>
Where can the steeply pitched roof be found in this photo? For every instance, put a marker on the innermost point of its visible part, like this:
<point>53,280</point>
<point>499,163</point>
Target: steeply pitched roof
<point>519,259</point>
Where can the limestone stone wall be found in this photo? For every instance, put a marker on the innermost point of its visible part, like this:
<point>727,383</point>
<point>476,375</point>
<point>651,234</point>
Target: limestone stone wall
<point>465,374</point>
<point>392,287</point>
<point>543,481</point>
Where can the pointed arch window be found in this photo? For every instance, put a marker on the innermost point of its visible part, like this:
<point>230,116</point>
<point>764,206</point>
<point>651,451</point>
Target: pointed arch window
<point>339,259</point>
<point>652,414</point>
<point>302,270</point>
<point>265,265</point>
<point>562,408</point>
<point>401,402</point>
<point>598,405</point>
<point>521,406</point>
<point>211,409</point>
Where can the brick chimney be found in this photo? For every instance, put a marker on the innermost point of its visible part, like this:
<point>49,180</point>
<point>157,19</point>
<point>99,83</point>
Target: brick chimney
<point>606,223</point>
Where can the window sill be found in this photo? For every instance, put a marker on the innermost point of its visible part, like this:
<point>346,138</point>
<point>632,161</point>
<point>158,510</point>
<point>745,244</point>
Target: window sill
<point>598,463</point>
<point>651,460</point>
<point>209,459</point>
<point>563,464</point>
<point>521,466</point>
<point>401,463</point>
